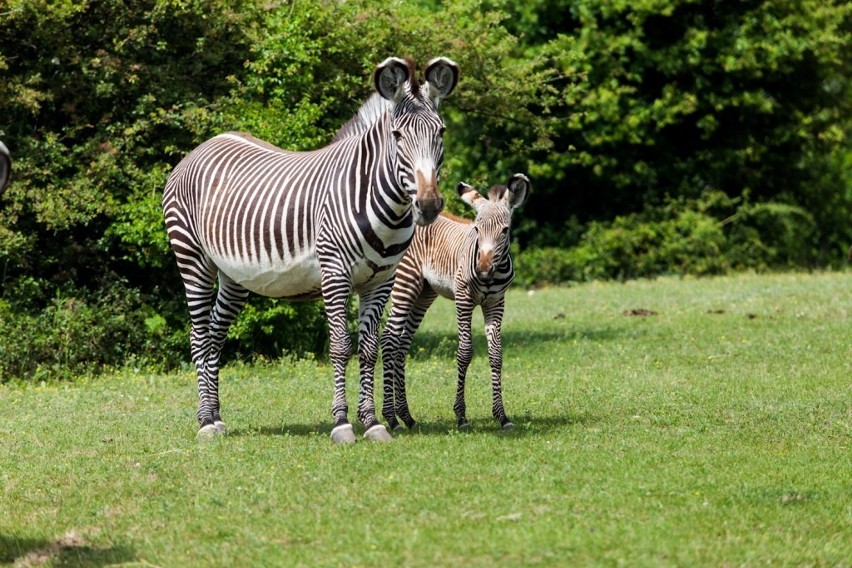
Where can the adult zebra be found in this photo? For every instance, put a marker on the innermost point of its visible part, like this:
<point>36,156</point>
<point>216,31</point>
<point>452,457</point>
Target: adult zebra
<point>310,225</point>
<point>468,262</point>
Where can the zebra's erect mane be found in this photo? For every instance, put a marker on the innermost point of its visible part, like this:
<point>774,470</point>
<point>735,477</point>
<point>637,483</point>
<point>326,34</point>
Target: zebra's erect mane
<point>375,107</point>
<point>369,114</point>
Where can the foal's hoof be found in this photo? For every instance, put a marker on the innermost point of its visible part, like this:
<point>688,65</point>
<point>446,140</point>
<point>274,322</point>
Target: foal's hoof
<point>508,427</point>
<point>207,432</point>
<point>378,433</point>
<point>343,434</point>
<point>220,427</point>
<point>465,426</point>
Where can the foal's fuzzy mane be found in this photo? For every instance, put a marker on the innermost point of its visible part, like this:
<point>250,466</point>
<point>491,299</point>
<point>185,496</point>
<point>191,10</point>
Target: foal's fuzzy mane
<point>495,192</point>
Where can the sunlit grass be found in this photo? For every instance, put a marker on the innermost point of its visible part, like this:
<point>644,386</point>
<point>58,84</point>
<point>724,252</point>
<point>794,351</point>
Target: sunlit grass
<point>715,430</point>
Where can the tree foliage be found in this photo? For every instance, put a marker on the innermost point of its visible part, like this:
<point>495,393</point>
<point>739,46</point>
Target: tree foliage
<point>685,96</point>
<point>630,117</point>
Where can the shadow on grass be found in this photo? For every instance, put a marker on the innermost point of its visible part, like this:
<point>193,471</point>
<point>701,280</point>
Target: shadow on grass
<point>69,550</point>
<point>428,344</point>
<point>525,425</point>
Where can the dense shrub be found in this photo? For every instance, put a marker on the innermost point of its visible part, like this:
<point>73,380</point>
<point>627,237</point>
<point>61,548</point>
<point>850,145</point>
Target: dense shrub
<point>713,234</point>
<point>79,334</point>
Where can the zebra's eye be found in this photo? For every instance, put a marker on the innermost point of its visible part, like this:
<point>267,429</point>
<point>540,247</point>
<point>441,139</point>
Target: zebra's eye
<point>397,134</point>
<point>442,130</point>
<point>504,231</point>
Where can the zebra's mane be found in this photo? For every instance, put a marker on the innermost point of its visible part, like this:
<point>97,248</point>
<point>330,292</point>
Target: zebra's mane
<point>375,108</point>
<point>495,192</point>
<point>369,114</point>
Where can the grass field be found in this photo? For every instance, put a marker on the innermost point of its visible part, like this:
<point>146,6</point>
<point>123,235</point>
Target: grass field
<point>712,431</point>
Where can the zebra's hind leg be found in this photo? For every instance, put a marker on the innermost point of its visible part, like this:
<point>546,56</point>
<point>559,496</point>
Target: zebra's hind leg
<point>405,316</point>
<point>199,279</point>
<point>412,323</point>
<point>390,353</point>
<point>229,302</point>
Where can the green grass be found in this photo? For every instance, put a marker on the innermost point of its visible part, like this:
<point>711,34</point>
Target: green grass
<point>715,432</point>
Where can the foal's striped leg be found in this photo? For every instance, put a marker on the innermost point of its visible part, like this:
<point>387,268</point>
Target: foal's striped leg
<point>493,319</point>
<point>464,314</point>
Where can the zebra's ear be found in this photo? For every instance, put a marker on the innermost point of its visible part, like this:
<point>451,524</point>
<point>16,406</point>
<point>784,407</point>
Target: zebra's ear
<point>390,78</point>
<point>469,195</point>
<point>442,75</point>
<point>517,189</point>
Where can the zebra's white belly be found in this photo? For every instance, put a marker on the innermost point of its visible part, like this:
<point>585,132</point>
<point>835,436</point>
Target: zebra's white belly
<point>298,277</point>
<point>442,284</point>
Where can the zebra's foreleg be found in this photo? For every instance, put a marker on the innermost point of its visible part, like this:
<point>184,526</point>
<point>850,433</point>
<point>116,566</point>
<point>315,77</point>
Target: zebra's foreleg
<point>371,306</point>
<point>493,320</point>
<point>336,291</point>
<point>464,312</point>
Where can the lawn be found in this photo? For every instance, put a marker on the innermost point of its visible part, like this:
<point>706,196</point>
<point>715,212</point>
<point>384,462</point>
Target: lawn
<point>673,422</point>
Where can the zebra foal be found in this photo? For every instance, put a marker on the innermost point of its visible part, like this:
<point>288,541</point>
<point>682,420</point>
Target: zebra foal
<point>311,225</point>
<point>465,261</point>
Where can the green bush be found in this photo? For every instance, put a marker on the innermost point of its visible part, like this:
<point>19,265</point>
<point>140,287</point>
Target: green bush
<point>76,334</point>
<point>269,328</point>
<point>713,234</point>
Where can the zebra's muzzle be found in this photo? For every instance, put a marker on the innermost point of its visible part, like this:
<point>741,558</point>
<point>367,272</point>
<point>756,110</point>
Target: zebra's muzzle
<point>485,266</point>
<point>427,210</point>
<point>428,201</point>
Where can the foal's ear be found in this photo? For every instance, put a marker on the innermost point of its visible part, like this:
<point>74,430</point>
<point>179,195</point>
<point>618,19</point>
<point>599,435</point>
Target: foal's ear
<point>517,189</point>
<point>442,75</point>
<point>469,195</point>
<point>390,78</point>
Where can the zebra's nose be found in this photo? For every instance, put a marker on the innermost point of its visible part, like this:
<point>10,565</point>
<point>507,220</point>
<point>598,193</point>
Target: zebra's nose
<point>428,201</point>
<point>427,209</point>
<point>485,266</point>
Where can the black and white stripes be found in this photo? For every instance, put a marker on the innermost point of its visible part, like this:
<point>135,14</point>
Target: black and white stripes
<point>465,261</point>
<point>309,225</point>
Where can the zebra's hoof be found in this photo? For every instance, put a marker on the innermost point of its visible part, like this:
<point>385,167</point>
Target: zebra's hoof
<point>220,427</point>
<point>378,433</point>
<point>508,426</point>
<point>465,427</point>
<point>207,432</point>
<point>398,427</point>
<point>343,434</point>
